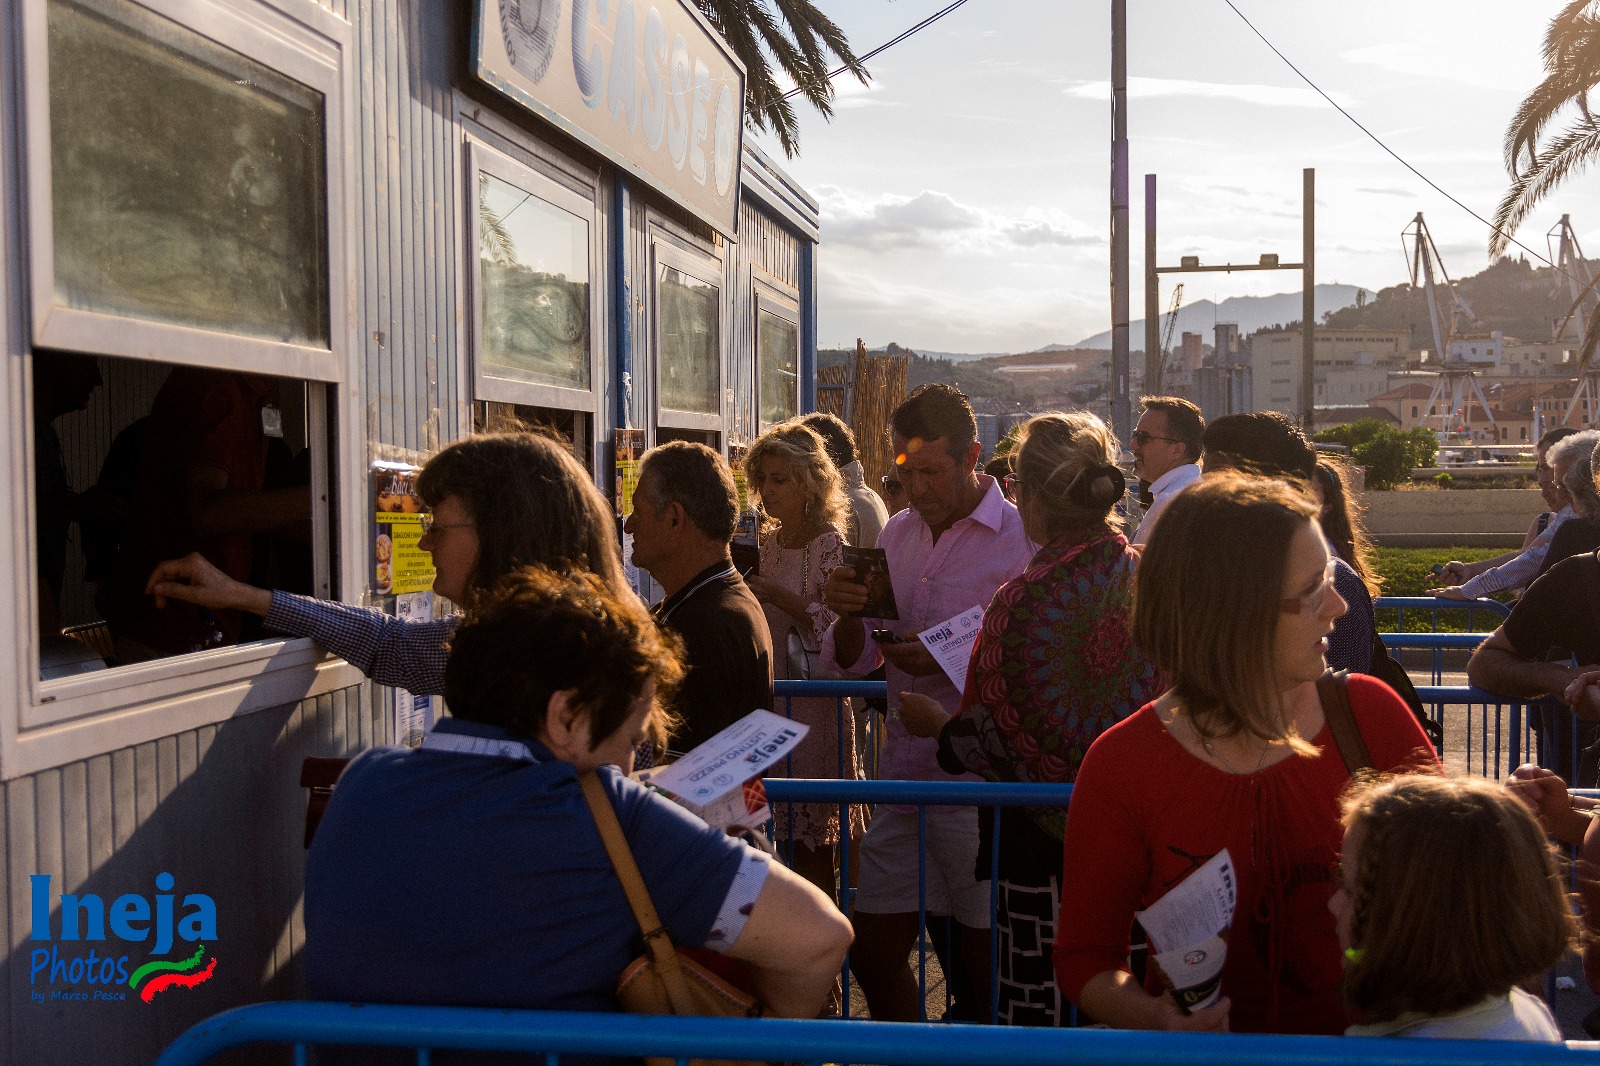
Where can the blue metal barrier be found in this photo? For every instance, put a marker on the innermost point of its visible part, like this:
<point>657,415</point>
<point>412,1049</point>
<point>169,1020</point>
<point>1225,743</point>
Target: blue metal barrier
<point>1433,605</point>
<point>557,1033</point>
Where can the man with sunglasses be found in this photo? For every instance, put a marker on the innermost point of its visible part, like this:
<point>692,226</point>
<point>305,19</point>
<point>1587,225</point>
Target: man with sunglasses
<point>1166,453</point>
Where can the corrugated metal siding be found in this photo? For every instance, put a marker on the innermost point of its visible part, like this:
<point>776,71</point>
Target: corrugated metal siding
<point>221,809</point>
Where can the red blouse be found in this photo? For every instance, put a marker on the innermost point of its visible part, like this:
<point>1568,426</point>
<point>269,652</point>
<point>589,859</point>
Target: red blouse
<point>1145,814</point>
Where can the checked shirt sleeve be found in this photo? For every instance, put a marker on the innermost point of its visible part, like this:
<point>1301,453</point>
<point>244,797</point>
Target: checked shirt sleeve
<point>391,651</point>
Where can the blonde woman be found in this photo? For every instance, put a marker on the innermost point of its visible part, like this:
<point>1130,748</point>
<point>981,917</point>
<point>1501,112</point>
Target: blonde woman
<point>803,508</point>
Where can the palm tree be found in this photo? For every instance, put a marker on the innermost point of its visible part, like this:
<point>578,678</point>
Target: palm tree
<point>800,38</point>
<point>1537,159</point>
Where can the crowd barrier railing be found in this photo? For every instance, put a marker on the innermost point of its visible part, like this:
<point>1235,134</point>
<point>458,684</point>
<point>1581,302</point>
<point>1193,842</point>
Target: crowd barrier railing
<point>556,1034</point>
<point>1432,605</point>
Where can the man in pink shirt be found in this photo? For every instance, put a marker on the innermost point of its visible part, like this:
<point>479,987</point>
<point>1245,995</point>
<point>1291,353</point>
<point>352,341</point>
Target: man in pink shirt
<point>948,552</point>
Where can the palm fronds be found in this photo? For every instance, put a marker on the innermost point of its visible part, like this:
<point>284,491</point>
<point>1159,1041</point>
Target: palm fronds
<point>800,39</point>
<point>1536,163</point>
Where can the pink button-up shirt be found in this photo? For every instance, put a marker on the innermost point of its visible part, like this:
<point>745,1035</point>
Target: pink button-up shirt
<point>933,581</point>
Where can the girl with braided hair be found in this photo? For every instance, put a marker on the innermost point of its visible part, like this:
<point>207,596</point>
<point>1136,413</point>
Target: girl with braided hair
<point>1449,899</point>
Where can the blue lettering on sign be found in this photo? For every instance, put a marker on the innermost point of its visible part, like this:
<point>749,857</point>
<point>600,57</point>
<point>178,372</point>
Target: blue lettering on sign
<point>83,916</point>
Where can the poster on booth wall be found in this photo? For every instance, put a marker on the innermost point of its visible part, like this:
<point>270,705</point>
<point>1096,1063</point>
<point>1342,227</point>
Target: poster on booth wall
<point>629,445</point>
<point>413,717</point>
<point>399,565</point>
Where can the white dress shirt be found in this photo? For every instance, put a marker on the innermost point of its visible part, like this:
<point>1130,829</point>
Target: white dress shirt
<point>1163,489</point>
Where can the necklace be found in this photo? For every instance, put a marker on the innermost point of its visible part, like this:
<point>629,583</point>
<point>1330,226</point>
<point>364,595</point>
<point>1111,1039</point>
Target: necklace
<point>1210,749</point>
<point>1205,742</point>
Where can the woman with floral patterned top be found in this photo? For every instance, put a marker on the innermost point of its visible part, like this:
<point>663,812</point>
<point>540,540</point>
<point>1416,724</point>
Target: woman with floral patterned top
<point>1053,668</point>
<point>803,507</point>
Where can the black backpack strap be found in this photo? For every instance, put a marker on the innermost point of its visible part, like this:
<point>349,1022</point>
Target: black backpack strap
<point>1342,722</point>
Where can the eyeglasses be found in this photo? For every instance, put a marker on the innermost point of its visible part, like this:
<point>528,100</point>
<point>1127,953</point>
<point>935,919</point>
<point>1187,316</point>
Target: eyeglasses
<point>1012,483</point>
<point>893,486</point>
<point>1314,600</point>
<point>1141,438</point>
<point>430,525</point>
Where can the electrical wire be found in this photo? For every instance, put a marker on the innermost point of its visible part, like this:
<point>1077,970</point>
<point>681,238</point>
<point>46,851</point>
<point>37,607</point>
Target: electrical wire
<point>924,24</point>
<point>1378,141</point>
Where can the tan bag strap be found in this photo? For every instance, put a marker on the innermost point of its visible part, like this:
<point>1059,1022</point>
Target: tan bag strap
<point>657,943</point>
<point>1342,722</point>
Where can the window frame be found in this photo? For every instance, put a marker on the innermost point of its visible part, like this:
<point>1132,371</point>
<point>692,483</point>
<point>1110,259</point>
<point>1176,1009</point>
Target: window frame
<point>767,298</point>
<point>482,158</point>
<point>48,723</point>
<point>707,270</point>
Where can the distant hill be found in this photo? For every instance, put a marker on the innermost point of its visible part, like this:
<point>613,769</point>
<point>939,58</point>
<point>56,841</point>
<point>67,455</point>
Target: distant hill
<point>1509,295</point>
<point>1250,312</point>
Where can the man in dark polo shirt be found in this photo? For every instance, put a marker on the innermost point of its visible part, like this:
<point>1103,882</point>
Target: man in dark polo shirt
<point>684,510</point>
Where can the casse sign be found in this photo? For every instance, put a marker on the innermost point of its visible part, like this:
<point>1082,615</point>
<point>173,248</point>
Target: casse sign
<point>646,83</point>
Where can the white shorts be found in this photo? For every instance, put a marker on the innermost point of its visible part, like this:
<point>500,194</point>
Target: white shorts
<point>888,882</point>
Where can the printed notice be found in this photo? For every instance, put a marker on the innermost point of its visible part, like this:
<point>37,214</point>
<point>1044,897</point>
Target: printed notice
<point>1186,926</point>
<point>950,642</point>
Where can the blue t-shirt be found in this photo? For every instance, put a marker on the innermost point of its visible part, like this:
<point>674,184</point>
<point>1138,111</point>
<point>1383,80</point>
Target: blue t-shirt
<point>444,877</point>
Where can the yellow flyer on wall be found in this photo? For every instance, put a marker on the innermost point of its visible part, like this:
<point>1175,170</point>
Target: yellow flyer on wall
<point>400,566</point>
<point>629,447</point>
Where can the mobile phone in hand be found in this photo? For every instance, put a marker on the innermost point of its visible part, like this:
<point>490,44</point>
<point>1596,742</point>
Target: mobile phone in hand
<point>887,636</point>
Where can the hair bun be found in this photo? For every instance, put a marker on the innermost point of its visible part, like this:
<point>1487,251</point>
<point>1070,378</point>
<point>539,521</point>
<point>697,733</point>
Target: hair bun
<point>1099,486</point>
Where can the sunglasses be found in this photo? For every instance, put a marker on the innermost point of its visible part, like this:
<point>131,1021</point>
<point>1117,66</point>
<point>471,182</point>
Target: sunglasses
<point>1141,438</point>
<point>893,486</point>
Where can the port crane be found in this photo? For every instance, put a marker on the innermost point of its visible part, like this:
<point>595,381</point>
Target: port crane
<point>1456,385</point>
<point>1165,365</point>
<point>1582,291</point>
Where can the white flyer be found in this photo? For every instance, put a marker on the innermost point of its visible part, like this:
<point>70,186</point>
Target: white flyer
<point>950,642</point>
<point>1196,910</point>
<point>745,749</point>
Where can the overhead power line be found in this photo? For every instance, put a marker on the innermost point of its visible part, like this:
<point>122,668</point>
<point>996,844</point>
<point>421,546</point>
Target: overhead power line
<point>1378,140</point>
<point>886,45</point>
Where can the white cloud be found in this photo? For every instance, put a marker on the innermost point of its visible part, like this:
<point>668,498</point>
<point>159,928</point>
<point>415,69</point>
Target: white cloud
<point>936,219</point>
<point>1263,95</point>
<point>1466,61</point>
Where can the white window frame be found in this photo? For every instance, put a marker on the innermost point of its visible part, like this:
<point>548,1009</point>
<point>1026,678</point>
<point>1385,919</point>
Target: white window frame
<point>708,270</point>
<point>482,158</point>
<point>49,723</point>
<point>769,299</point>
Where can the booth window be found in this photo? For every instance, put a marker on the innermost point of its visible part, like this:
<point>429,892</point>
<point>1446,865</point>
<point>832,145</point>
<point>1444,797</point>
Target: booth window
<point>688,336</point>
<point>187,270</point>
<point>185,179</point>
<point>534,314</point>
<point>777,359</point>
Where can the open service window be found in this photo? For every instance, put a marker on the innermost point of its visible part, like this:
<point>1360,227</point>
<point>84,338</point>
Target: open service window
<point>686,301</point>
<point>777,348</point>
<point>187,386</point>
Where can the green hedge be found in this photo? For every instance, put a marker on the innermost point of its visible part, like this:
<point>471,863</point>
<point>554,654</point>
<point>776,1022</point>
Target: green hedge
<point>1406,572</point>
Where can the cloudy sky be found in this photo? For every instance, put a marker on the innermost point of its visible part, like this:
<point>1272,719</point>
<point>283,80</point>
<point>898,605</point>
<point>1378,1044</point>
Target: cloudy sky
<point>965,198</point>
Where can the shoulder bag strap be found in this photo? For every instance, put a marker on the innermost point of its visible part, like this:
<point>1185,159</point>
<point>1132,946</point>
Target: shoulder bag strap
<point>1342,722</point>
<point>657,943</point>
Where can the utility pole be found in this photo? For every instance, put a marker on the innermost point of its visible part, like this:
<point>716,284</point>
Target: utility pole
<point>1152,294</point>
<point>1308,304</point>
<point>1121,410</point>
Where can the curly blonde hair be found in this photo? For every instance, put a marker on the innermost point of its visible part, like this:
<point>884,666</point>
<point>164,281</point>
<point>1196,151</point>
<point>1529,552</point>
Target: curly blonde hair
<point>802,450</point>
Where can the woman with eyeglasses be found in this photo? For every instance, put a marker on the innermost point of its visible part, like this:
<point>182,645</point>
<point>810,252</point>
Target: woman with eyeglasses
<point>497,502</point>
<point>803,509</point>
<point>1053,668</point>
<point>1234,601</point>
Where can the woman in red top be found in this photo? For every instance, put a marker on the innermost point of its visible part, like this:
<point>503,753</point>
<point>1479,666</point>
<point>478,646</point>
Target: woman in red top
<point>1234,601</point>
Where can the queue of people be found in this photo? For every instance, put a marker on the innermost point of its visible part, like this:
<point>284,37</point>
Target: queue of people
<point>1180,679</point>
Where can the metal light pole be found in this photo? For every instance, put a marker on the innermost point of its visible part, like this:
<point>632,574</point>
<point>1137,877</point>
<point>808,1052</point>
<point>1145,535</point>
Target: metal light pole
<point>1121,411</point>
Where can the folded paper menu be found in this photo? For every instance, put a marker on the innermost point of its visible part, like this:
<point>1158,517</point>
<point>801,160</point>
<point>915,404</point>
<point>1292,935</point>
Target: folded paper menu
<point>1186,928</point>
<point>720,779</point>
